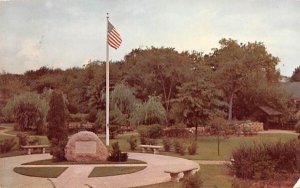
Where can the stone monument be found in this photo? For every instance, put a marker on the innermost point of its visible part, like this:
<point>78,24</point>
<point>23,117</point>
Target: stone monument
<point>85,146</point>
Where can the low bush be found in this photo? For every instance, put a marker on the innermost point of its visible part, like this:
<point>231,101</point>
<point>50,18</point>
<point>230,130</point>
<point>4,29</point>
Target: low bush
<point>150,131</point>
<point>192,148</point>
<point>116,154</point>
<point>148,141</point>
<point>79,117</point>
<point>179,147</point>
<point>193,181</point>
<point>154,131</point>
<point>34,141</point>
<point>23,139</point>
<point>262,161</point>
<point>6,145</point>
<point>113,131</point>
<point>132,140</point>
<point>167,145</point>
<point>176,131</point>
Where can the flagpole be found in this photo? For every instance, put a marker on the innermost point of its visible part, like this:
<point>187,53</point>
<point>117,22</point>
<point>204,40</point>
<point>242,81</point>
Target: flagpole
<point>107,86</point>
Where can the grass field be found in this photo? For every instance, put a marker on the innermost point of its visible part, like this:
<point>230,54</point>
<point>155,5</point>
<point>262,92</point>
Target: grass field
<point>44,172</point>
<point>207,145</point>
<point>113,171</point>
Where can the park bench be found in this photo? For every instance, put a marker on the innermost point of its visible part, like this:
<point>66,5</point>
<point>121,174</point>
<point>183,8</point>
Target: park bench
<point>153,147</point>
<point>31,147</point>
<point>175,173</point>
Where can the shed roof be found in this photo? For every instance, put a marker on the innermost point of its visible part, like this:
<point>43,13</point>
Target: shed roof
<point>270,111</point>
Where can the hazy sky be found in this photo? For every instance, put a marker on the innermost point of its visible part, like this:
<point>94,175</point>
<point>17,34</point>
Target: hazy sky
<point>67,33</point>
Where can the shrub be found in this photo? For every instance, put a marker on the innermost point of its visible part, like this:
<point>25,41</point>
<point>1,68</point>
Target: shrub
<point>154,131</point>
<point>193,181</point>
<point>179,147</point>
<point>150,131</point>
<point>23,139</point>
<point>297,127</point>
<point>132,142</point>
<point>116,154</point>
<point>262,161</point>
<point>113,131</point>
<point>177,131</point>
<point>167,145</point>
<point>79,117</point>
<point>34,141</point>
<point>6,145</point>
<point>192,148</point>
<point>28,109</point>
<point>148,141</point>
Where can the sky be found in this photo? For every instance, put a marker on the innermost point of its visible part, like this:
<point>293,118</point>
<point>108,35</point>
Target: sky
<point>69,33</point>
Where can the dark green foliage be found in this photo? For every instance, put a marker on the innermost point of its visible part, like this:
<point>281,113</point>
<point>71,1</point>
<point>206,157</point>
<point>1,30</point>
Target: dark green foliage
<point>200,102</point>
<point>148,113</point>
<point>78,117</point>
<point>167,144</point>
<point>261,161</point>
<point>28,116</point>
<point>28,109</point>
<point>297,127</point>
<point>34,141</point>
<point>57,132</point>
<point>6,145</point>
<point>132,140</point>
<point>113,131</point>
<point>296,75</point>
<point>116,154</point>
<point>193,181</point>
<point>154,131</point>
<point>23,139</point>
<point>148,141</point>
<point>177,131</point>
<point>179,147</point>
<point>150,131</point>
<point>192,148</point>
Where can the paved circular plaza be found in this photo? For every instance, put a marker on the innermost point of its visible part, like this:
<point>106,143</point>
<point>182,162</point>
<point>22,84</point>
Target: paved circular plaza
<point>76,176</point>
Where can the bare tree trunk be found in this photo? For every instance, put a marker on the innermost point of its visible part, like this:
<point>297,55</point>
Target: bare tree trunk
<point>230,106</point>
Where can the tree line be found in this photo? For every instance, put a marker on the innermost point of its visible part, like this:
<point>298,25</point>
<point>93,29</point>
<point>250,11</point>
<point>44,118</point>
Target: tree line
<point>158,85</point>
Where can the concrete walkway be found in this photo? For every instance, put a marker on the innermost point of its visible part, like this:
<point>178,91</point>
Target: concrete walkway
<point>76,176</point>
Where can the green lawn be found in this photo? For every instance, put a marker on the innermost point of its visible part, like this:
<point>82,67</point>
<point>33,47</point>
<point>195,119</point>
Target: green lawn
<point>207,145</point>
<point>44,172</point>
<point>113,171</point>
<point>212,176</point>
<point>51,162</point>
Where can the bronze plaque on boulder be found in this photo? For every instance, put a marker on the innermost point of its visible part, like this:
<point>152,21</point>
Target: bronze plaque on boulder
<point>85,146</point>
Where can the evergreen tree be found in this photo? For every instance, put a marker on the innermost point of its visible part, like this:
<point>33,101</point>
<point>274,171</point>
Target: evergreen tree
<point>57,132</point>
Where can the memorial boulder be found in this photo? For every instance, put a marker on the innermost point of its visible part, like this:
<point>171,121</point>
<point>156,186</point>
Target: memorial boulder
<point>85,146</point>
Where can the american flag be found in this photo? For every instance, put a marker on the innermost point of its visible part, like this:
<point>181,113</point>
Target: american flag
<point>113,39</point>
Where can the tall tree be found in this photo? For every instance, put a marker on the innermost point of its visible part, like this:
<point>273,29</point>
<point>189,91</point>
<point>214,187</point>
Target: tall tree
<point>200,101</point>
<point>296,75</point>
<point>157,72</point>
<point>57,131</point>
<point>235,64</point>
